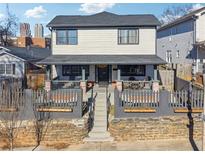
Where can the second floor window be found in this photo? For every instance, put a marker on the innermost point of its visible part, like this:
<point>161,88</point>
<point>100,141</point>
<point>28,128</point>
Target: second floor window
<point>128,36</point>
<point>66,37</point>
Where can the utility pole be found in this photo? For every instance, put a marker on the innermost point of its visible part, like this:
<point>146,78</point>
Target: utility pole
<point>203,116</point>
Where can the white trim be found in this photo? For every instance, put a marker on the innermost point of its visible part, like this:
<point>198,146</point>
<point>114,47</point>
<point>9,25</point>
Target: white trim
<point>4,50</point>
<point>6,63</point>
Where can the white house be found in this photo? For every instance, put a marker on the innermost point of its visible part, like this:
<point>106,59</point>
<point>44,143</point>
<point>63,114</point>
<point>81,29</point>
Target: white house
<point>14,61</point>
<point>102,44</point>
<point>183,40</point>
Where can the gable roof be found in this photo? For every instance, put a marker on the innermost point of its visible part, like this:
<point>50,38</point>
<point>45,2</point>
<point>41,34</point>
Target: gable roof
<point>103,19</point>
<point>182,19</point>
<point>32,54</point>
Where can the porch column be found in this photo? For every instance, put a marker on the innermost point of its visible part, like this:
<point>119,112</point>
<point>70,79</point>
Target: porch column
<point>155,82</point>
<point>119,81</point>
<point>83,85</point>
<point>118,75</point>
<point>48,78</point>
<point>155,74</point>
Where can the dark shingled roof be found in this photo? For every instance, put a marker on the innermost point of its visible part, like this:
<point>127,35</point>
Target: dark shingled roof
<point>102,59</point>
<point>103,19</point>
<point>32,54</point>
<point>181,19</point>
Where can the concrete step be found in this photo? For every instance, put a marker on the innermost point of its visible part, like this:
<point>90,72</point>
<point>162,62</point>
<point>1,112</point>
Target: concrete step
<point>99,129</point>
<point>100,114</point>
<point>100,123</point>
<point>100,109</point>
<point>100,118</point>
<point>99,134</point>
<point>99,139</point>
<point>102,106</point>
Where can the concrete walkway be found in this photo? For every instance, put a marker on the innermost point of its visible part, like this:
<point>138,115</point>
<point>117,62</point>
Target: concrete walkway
<point>157,145</point>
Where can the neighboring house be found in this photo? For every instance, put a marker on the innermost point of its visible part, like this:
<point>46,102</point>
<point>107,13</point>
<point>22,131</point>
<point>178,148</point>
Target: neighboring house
<point>102,44</point>
<point>182,41</point>
<point>15,62</point>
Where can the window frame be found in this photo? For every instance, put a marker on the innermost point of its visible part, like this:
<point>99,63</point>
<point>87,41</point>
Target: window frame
<point>87,73</point>
<point>13,68</point>
<point>131,28</point>
<point>127,74</point>
<point>67,36</point>
<point>169,56</point>
<point>4,68</point>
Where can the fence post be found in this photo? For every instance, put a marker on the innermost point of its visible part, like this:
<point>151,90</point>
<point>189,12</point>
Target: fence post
<point>79,106</point>
<point>116,103</point>
<point>83,86</point>
<point>164,100</point>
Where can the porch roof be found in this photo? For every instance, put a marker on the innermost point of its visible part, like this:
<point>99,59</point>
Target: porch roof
<point>102,59</point>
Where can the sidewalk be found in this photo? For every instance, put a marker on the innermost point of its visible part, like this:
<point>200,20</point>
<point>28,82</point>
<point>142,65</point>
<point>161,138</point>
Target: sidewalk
<point>157,145</point>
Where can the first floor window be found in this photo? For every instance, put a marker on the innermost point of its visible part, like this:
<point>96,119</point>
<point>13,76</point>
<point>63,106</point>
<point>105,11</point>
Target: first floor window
<point>75,70</point>
<point>132,70</point>
<point>2,68</point>
<point>177,54</point>
<point>169,56</point>
<point>7,69</point>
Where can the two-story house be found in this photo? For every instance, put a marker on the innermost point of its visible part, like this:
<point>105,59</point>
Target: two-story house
<point>102,44</point>
<point>182,41</point>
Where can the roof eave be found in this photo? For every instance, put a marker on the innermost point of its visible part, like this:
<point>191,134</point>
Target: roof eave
<point>90,26</point>
<point>176,22</point>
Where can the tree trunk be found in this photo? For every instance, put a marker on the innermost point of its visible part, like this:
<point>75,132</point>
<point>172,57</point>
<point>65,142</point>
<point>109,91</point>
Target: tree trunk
<point>11,139</point>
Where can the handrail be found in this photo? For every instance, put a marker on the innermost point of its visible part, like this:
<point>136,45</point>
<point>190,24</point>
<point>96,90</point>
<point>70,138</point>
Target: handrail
<point>107,104</point>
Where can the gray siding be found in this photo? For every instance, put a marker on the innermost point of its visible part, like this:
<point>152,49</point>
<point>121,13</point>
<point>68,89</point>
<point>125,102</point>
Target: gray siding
<point>179,37</point>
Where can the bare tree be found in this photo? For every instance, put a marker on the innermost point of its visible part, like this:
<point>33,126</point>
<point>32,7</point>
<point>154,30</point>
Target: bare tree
<point>42,119</point>
<point>12,105</point>
<point>172,13</point>
<point>8,27</point>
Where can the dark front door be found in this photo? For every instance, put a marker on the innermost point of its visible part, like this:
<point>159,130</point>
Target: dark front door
<point>103,74</point>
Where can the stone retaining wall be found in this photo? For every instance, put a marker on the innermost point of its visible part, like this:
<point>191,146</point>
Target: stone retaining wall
<point>170,127</point>
<point>55,133</point>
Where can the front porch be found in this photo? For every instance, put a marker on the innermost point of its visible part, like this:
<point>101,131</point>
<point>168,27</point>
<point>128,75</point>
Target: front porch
<point>102,69</point>
<point>103,73</point>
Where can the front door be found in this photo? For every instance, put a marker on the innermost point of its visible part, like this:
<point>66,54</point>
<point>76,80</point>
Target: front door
<point>103,73</point>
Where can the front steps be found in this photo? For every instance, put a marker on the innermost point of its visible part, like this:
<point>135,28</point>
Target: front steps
<point>99,131</point>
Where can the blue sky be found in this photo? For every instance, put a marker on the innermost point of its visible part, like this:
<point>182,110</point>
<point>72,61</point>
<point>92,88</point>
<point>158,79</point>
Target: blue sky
<point>43,13</point>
